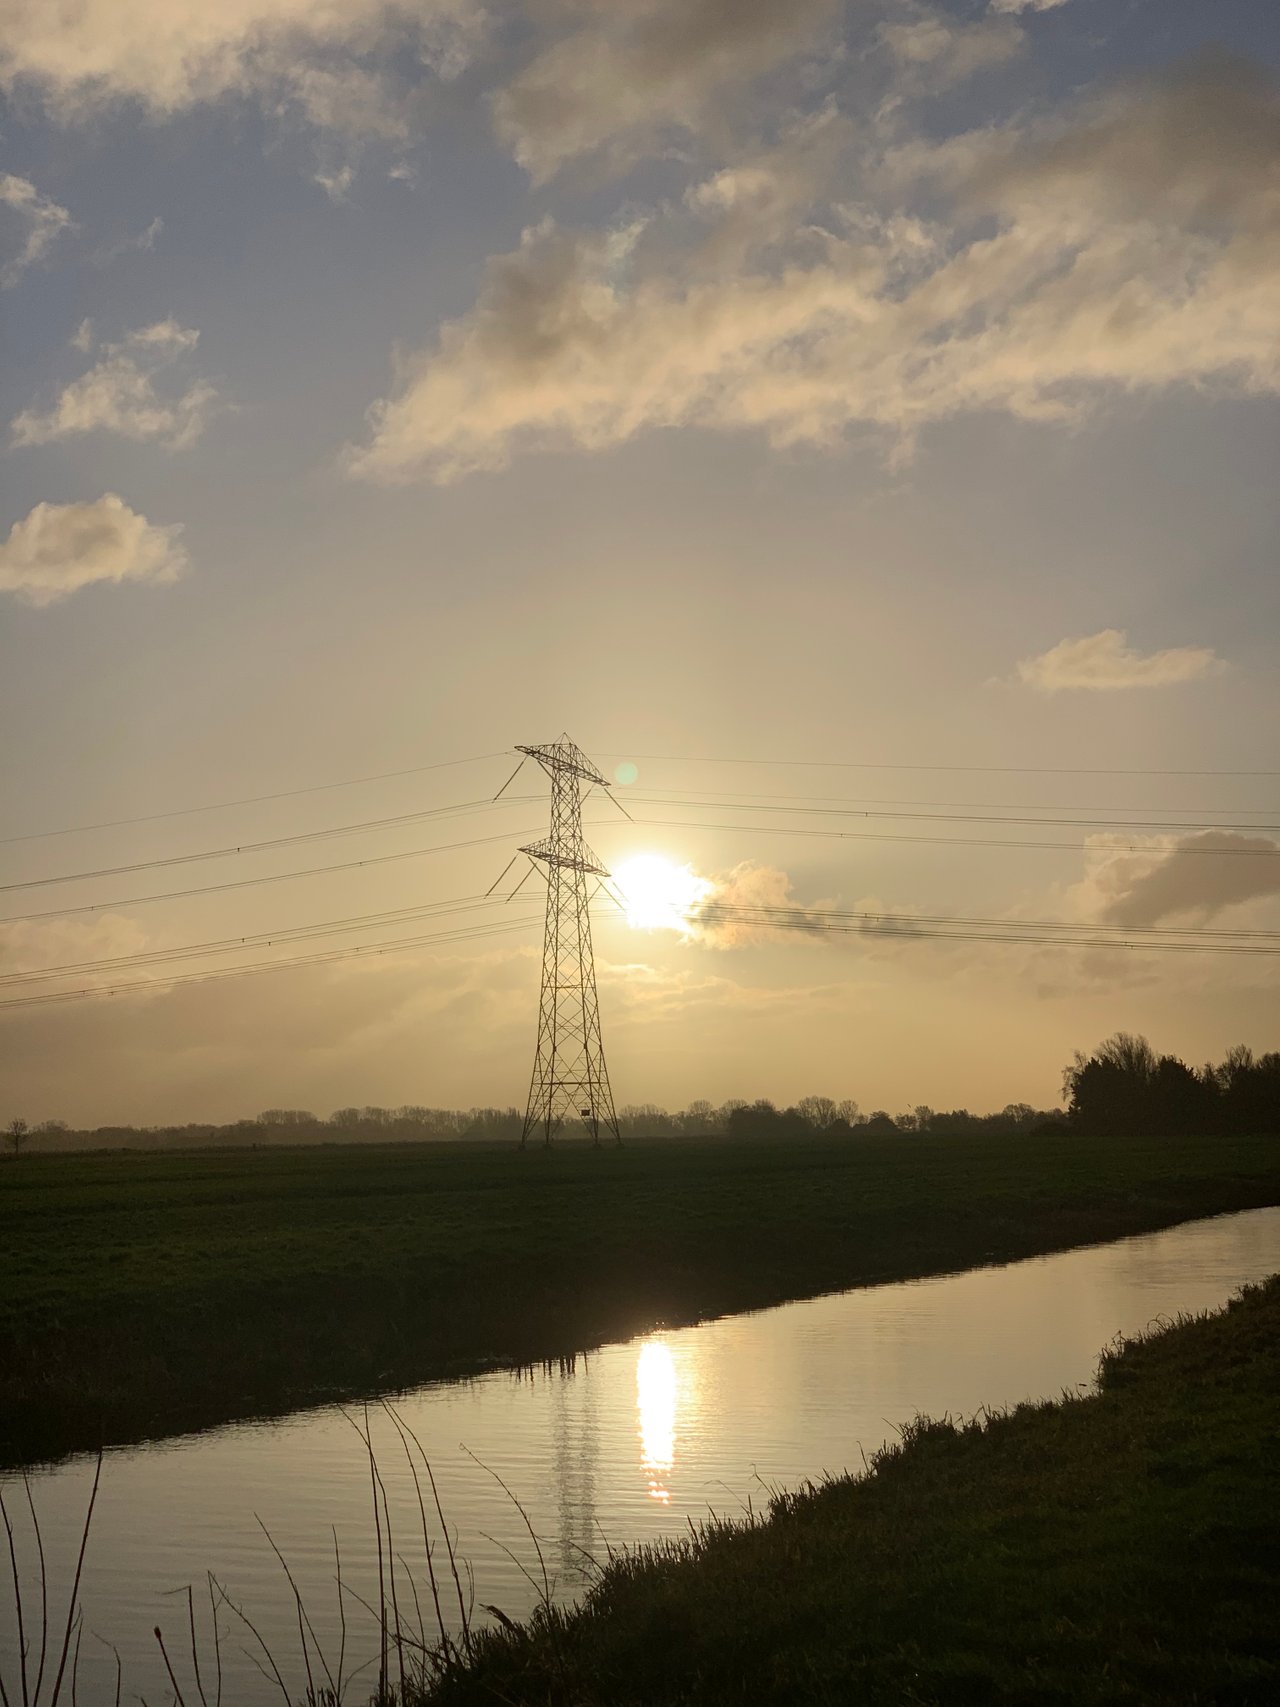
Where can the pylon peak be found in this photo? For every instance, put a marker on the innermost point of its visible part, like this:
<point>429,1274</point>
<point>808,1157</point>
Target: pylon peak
<point>565,755</point>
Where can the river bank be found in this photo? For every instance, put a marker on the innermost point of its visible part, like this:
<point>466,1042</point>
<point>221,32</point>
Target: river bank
<point>143,1295</point>
<point>1117,1548</point>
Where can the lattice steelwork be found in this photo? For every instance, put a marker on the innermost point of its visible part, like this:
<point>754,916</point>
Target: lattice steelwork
<point>569,1072</point>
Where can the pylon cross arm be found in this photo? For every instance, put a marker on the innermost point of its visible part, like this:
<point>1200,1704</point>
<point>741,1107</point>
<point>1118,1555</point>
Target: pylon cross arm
<point>584,862</point>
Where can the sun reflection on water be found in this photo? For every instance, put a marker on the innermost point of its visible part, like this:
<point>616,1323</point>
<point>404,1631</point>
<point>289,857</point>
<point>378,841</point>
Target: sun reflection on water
<point>656,1397</point>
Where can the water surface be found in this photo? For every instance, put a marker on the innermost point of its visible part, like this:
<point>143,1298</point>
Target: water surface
<point>628,1445</point>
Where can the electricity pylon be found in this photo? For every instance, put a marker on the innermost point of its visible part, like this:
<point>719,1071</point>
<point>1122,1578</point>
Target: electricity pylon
<point>569,1072</point>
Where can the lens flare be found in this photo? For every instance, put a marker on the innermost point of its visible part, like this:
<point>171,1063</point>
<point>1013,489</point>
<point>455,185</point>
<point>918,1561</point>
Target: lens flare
<point>660,895</point>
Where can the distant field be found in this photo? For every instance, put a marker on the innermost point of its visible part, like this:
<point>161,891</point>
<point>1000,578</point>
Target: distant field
<point>143,1294</point>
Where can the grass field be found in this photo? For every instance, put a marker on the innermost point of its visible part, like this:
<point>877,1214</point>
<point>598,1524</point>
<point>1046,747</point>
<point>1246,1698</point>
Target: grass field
<point>143,1294</point>
<point>1116,1549</point>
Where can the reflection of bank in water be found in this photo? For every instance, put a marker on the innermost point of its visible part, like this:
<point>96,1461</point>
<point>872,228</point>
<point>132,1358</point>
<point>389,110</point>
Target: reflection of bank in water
<point>656,1395</point>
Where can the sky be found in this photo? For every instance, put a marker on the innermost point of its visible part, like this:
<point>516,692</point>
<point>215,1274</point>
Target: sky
<point>855,425</point>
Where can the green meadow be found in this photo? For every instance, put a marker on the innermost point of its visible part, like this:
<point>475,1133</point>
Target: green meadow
<point>143,1294</point>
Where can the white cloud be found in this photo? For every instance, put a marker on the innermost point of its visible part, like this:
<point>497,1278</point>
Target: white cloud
<point>752,904</point>
<point>1132,249</point>
<point>333,63</point>
<point>1192,877</point>
<point>636,69</point>
<point>29,945</point>
<point>40,220</point>
<point>145,241</point>
<point>59,548</point>
<point>119,393</point>
<point>1024,5</point>
<point>1103,663</point>
<point>336,185</point>
<point>934,51</point>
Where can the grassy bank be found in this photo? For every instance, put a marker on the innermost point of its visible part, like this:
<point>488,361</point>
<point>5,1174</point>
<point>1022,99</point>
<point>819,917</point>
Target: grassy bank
<point>1120,1548</point>
<point>146,1294</point>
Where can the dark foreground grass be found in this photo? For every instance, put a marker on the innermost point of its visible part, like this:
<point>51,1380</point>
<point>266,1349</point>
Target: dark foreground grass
<point>143,1294</point>
<point>1116,1549</point>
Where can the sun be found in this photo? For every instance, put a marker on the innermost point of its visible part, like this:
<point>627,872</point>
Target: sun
<point>658,894</point>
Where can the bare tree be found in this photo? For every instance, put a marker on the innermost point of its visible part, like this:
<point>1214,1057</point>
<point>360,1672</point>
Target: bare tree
<point>818,1111</point>
<point>16,1132</point>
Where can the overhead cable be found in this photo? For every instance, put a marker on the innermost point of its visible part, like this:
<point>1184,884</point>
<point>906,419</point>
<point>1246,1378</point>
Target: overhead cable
<point>720,796</point>
<point>270,877</point>
<point>275,876</point>
<point>260,939</point>
<point>885,765</point>
<point>1184,826</point>
<point>950,841</point>
<point>246,800</point>
<point>462,934</point>
<point>460,810</point>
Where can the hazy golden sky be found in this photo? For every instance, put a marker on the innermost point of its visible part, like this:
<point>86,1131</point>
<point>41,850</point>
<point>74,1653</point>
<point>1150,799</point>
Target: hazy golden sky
<point>888,386</point>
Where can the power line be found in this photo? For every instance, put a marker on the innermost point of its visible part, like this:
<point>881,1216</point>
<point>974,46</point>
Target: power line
<point>126,901</point>
<point>257,882</point>
<point>938,841</point>
<point>722,795</point>
<point>654,823</point>
<point>499,928</point>
<point>819,915</point>
<point>462,934</point>
<point>817,921</point>
<point>648,758</point>
<point>460,810</point>
<point>246,800</point>
<point>894,926</point>
<point>260,939</point>
<point>890,931</point>
<point>725,805</point>
<point>986,770</point>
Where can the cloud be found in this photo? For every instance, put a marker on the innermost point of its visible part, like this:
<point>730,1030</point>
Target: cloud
<point>751,904</point>
<point>119,393</point>
<point>1194,876</point>
<point>29,945</point>
<point>144,241</point>
<point>638,69</point>
<point>334,65</point>
<point>1007,6</point>
<point>336,185</point>
<point>933,51</point>
<point>59,548</point>
<point>1102,663</point>
<point>41,220</point>
<point>350,1032</point>
<point>1132,248</point>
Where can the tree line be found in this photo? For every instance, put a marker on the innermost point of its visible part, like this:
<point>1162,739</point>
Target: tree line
<point>413,1124</point>
<point>1122,1088</point>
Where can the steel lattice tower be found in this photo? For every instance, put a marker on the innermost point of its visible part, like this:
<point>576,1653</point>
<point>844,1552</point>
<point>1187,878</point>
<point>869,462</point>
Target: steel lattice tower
<point>569,1072</point>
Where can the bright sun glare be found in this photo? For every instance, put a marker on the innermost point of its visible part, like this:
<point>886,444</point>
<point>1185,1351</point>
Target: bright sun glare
<point>659,894</point>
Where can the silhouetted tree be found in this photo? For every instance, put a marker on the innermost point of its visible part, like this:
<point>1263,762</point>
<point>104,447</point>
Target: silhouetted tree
<point>16,1132</point>
<point>820,1112</point>
<point>1122,1088</point>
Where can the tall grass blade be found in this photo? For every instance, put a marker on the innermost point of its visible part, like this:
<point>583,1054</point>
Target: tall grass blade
<point>75,1584</point>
